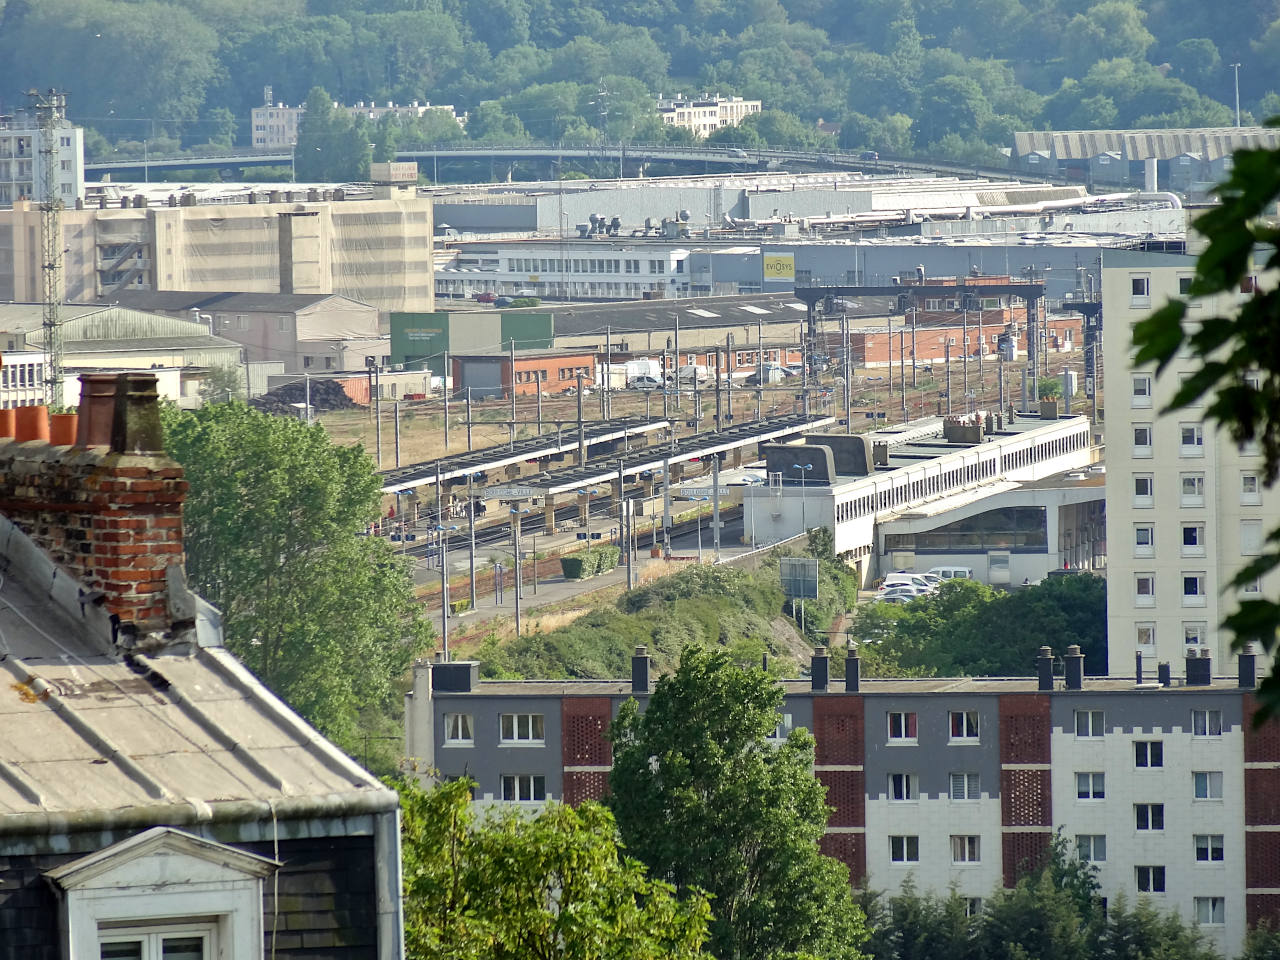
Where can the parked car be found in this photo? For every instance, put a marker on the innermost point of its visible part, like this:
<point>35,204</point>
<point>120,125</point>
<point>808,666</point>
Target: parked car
<point>502,302</point>
<point>645,383</point>
<point>900,594</point>
<point>486,297</point>
<point>868,155</point>
<point>952,573</point>
<point>906,580</point>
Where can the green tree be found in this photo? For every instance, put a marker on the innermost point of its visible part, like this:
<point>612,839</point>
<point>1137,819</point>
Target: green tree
<point>1113,28</point>
<point>707,803</point>
<point>274,519</point>
<point>513,886</point>
<point>1262,943</point>
<point>1144,933</point>
<point>331,145</point>
<point>222,385</point>
<point>1234,344</point>
<point>491,121</point>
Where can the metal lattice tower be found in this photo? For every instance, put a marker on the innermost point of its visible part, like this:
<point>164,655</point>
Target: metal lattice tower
<point>51,110</point>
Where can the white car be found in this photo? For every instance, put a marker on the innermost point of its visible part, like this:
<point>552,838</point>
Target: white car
<point>905,591</point>
<point>907,580</point>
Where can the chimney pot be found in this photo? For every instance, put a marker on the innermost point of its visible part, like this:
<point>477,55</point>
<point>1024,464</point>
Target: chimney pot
<point>640,663</point>
<point>1137,667</point>
<point>1199,670</point>
<point>1165,674</point>
<point>135,426</point>
<point>821,668</point>
<point>1044,669</point>
<point>97,409</point>
<point>853,670</point>
<point>7,419</point>
<point>1247,668</point>
<point>31,423</point>
<point>1074,668</point>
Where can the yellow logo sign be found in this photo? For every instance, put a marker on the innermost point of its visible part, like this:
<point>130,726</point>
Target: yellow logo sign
<point>780,266</point>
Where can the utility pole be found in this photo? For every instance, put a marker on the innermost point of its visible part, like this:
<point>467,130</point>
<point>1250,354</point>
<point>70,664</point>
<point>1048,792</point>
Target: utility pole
<point>468,420</point>
<point>50,108</point>
<point>582,430</point>
<point>666,508</point>
<point>513,391</point>
<point>444,391</point>
<point>715,505</point>
<point>759,366</point>
<point>946,346</point>
<point>377,410</point>
<point>729,366</point>
<point>1236,68</point>
<point>306,381</point>
<point>605,399</point>
<point>471,523</point>
<point>677,370</point>
<point>847,364</point>
<point>396,430</point>
<point>915,317</point>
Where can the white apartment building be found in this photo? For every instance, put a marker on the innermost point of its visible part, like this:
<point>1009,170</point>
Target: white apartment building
<point>21,170</point>
<point>275,125</point>
<point>705,115</point>
<point>1186,505</point>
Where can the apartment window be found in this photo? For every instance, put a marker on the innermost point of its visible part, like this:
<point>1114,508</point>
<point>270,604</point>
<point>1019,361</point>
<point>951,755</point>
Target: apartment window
<point>523,788</point>
<point>1144,540</point>
<point>1208,847</point>
<point>1089,723</point>
<point>1139,290</point>
<point>1207,784</point>
<point>1250,489</point>
<point>902,727</point>
<point>1148,816</point>
<point>282,324</point>
<point>1145,634</point>
<point>1140,393</point>
<point>973,906</point>
<point>1192,485</point>
<point>903,787</point>
<point>1092,847</point>
<point>966,849</point>
<point>307,361</point>
<point>1206,723</point>
<point>1150,879</point>
<point>1148,753</point>
<point>242,322</point>
<point>1091,786</point>
<point>1144,588</point>
<point>904,849</point>
<point>1194,633</point>
<point>522,728</point>
<point>1192,439</point>
<point>964,724</point>
<point>176,941</point>
<point>1142,441</point>
<point>1193,539</point>
<point>1144,486</point>
<point>1252,588</point>
<point>1250,538</point>
<point>1193,591</point>
<point>965,786</point>
<point>457,728</point>
<point>1211,910</point>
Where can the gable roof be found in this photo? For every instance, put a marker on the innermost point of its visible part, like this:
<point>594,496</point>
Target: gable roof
<point>167,840</point>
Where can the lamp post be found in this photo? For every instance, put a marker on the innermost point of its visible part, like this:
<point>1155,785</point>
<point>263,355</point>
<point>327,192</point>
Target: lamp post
<point>516,514</point>
<point>471,524</point>
<point>699,525</point>
<point>584,492</point>
<point>443,533</point>
<point>803,469</point>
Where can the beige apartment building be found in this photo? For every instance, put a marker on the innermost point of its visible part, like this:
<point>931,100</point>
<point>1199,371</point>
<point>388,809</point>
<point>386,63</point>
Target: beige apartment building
<point>376,251</point>
<point>705,115</point>
<point>275,125</point>
<point>1186,505</point>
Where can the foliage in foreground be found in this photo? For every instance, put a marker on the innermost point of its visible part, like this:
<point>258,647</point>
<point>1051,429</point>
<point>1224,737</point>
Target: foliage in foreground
<point>1054,912</point>
<point>969,629</point>
<point>1235,339</point>
<point>274,519</point>
<point>708,802</point>
<point>511,885</point>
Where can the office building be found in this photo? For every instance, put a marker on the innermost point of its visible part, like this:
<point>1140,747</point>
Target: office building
<point>21,159</point>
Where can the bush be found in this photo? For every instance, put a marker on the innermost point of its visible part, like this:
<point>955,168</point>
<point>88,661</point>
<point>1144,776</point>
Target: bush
<point>607,557</point>
<point>574,568</point>
<point>525,302</point>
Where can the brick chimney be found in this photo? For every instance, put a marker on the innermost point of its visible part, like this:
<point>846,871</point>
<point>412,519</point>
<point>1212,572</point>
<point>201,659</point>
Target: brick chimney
<point>110,513</point>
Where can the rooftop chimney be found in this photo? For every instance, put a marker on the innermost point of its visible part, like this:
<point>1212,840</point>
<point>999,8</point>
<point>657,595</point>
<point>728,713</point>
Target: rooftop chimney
<point>1247,668</point>
<point>1199,670</point>
<point>640,670</point>
<point>1044,670</point>
<point>1164,674</point>
<point>110,515</point>
<point>1137,667</point>
<point>821,669</point>
<point>1075,668</point>
<point>853,670</point>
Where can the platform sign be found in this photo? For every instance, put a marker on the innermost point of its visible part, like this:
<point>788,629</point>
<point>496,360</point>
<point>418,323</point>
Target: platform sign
<point>799,577</point>
<point>510,493</point>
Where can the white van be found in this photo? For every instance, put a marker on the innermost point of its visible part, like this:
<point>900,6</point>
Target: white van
<point>952,573</point>
<point>906,580</point>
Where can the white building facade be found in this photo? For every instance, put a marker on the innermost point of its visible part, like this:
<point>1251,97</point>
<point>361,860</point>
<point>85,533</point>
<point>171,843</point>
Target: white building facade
<point>21,160</point>
<point>705,115</point>
<point>1186,504</point>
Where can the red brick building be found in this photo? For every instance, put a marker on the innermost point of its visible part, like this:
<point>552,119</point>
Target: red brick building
<point>549,371</point>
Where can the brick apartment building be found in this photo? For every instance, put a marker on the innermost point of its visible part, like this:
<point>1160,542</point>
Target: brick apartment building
<point>1163,784</point>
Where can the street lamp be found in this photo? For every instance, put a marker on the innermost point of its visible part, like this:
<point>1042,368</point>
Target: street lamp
<point>583,492</point>
<point>804,528</point>
<point>471,524</point>
<point>1236,68</point>
<point>516,514</point>
<point>443,533</point>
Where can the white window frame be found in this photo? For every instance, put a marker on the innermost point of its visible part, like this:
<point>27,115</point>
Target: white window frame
<point>966,848</point>
<point>1091,785</point>
<point>1252,536</point>
<point>1141,481</point>
<point>1150,879</point>
<point>964,787</point>
<point>1206,723</point>
<point>1139,283</point>
<point>1194,632</point>
<point>1191,440</point>
<point>514,784</point>
<point>1206,784</point>
<point>904,788</point>
<point>1153,811</point>
<point>1092,722</point>
<point>1148,754</point>
<point>153,936</point>
<point>459,729</point>
<point>1142,433</point>
<point>1250,488</point>
<point>970,730</point>
<point>1144,532</point>
<point>1210,911</point>
<point>904,849</point>
<point>1199,597</point>
<point>1144,589</point>
<point>1192,549</point>
<point>1140,387</point>
<point>1193,497</point>
<point>1144,633</point>
<point>908,719</point>
<point>509,729</point>
<point>1091,847</point>
<point>1211,845</point>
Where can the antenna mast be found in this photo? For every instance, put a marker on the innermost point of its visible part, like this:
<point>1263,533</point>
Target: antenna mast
<point>51,111</point>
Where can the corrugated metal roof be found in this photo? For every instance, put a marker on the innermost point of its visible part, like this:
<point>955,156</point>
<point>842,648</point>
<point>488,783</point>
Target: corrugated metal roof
<point>1211,143</point>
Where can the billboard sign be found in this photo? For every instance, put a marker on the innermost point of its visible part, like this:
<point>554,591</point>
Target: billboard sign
<point>780,266</point>
<point>799,577</point>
